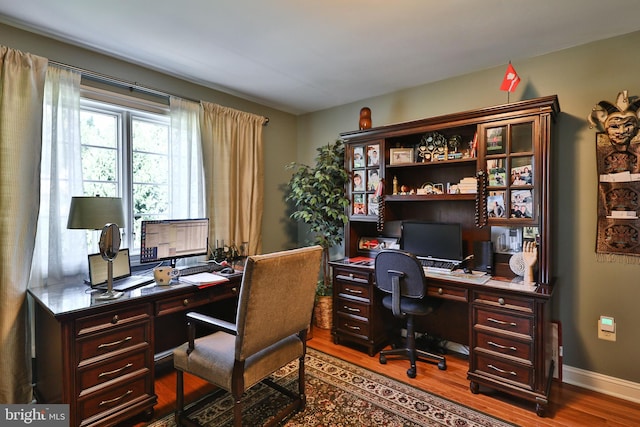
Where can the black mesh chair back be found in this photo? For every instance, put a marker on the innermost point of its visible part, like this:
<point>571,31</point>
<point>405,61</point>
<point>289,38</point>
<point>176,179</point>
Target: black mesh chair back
<point>400,275</point>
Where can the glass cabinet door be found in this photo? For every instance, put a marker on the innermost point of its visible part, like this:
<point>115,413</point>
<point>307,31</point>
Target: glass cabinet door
<point>507,153</point>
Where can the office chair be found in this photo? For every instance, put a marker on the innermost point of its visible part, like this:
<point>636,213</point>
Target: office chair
<point>274,311</point>
<point>400,275</point>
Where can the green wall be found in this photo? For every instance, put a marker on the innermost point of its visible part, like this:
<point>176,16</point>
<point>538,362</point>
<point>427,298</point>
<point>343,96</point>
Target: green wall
<point>581,77</point>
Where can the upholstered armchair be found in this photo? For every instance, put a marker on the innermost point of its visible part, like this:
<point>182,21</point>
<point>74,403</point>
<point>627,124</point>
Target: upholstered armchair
<point>274,311</point>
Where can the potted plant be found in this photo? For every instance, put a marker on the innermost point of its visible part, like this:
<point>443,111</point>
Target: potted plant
<point>319,200</point>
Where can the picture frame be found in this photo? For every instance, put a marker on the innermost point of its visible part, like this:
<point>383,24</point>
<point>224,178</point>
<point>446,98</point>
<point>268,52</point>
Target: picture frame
<point>496,205</point>
<point>373,155</point>
<point>373,179</point>
<point>494,140</point>
<point>359,205</point>
<point>358,157</point>
<point>497,173</point>
<point>399,156</point>
<point>521,204</point>
<point>358,180</point>
<point>521,171</point>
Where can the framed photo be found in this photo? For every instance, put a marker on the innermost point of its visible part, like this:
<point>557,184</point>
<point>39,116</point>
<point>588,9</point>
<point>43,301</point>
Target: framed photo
<point>495,143</point>
<point>359,206</point>
<point>358,157</point>
<point>372,204</point>
<point>521,171</point>
<point>497,173</point>
<point>358,181</point>
<point>373,155</point>
<point>373,179</point>
<point>400,155</point>
<point>495,205</point>
<point>521,204</point>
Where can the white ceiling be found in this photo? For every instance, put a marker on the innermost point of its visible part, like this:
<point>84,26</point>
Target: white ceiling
<point>301,56</point>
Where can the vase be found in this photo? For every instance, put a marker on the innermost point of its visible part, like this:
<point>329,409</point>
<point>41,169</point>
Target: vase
<point>323,311</point>
<point>365,118</point>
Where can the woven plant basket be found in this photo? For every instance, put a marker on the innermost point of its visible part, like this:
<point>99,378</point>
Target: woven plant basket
<point>323,312</point>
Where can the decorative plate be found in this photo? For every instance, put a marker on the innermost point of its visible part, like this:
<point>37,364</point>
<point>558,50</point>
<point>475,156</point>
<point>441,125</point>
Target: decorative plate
<point>517,265</point>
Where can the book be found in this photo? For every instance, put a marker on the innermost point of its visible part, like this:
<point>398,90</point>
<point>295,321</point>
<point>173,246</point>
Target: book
<point>203,280</point>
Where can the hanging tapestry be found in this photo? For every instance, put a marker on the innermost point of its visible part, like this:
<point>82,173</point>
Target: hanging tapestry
<point>618,154</point>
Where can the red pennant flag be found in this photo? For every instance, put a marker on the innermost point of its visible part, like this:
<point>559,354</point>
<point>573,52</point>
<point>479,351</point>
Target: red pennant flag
<point>511,79</point>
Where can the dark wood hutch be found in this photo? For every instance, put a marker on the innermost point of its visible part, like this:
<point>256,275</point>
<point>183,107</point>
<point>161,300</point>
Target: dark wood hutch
<point>429,169</point>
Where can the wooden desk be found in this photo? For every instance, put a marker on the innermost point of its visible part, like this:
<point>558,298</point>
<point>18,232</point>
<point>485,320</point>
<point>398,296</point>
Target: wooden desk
<point>98,356</point>
<point>506,325</point>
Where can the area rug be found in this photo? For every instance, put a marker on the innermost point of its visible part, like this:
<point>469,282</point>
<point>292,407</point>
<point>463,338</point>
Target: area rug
<point>342,394</point>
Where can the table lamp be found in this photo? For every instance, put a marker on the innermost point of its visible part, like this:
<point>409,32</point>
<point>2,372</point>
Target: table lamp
<point>95,213</point>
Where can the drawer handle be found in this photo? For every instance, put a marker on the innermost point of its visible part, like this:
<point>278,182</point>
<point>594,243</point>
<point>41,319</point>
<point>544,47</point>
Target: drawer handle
<point>504,347</point>
<point>501,322</point>
<point>185,302</point>
<point>111,344</point>
<point>351,309</point>
<point>440,291</point>
<point>106,402</point>
<point>115,371</point>
<point>355,328</point>
<point>501,301</point>
<point>115,319</point>
<point>502,371</point>
<point>353,291</point>
<point>234,290</point>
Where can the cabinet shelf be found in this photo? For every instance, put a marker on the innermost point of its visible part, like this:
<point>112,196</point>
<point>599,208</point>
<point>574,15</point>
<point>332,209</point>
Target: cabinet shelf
<point>428,197</point>
<point>469,160</point>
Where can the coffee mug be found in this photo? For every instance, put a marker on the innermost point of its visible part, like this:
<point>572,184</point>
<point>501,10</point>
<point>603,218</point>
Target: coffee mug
<point>164,275</point>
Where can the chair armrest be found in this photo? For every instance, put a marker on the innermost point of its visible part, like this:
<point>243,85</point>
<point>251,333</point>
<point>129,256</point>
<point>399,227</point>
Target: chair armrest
<point>213,323</point>
<point>208,321</point>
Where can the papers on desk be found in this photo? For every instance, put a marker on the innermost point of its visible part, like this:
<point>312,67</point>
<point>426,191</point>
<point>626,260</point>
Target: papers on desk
<point>203,280</point>
<point>475,277</point>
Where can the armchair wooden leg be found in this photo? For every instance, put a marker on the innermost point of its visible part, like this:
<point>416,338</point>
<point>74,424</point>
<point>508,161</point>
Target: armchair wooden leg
<point>237,411</point>
<point>179,396</point>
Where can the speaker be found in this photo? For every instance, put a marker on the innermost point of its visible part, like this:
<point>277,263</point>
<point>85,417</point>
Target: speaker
<point>483,256</point>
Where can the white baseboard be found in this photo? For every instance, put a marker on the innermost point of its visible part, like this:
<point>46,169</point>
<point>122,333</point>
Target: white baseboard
<point>612,386</point>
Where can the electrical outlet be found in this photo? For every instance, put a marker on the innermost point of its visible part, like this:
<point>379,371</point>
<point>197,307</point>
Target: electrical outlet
<point>606,331</point>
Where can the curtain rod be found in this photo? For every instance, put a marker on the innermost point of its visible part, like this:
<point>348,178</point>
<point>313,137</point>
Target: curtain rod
<point>131,85</point>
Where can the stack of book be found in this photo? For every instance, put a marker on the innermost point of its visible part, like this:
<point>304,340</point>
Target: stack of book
<point>468,185</point>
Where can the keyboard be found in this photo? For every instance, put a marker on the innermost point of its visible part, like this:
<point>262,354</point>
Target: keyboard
<point>128,283</point>
<point>194,269</point>
<point>438,266</point>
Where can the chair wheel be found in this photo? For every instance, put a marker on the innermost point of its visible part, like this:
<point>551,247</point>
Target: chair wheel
<point>411,372</point>
<point>383,360</point>
<point>442,365</point>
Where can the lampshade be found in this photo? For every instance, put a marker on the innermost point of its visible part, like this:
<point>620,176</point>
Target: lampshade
<point>92,213</point>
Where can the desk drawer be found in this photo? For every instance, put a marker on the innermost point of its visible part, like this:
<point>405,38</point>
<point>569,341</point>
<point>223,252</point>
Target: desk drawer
<point>353,289</point>
<point>352,307</point>
<point>518,374</point>
<point>122,339</point>
<point>454,293</point>
<point>181,303</point>
<point>112,319</point>
<point>118,398</point>
<point>503,345</point>
<point>113,369</point>
<point>513,303</point>
<point>353,325</point>
<point>504,321</point>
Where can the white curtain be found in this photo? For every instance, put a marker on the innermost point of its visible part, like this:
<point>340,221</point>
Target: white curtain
<point>21,90</point>
<point>60,254</point>
<point>187,196</point>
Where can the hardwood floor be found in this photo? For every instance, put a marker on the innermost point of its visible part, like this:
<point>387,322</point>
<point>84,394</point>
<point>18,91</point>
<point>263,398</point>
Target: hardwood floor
<point>570,405</point>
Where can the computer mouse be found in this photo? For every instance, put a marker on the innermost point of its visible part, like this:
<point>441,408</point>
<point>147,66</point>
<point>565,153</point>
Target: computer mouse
<point>227,270</point>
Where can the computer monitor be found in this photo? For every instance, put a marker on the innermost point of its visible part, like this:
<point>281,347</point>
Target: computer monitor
<point>170,239</point>
<point>432,239</point>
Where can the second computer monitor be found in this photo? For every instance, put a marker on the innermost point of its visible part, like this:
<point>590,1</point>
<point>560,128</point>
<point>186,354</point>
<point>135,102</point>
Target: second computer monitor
<point>432,239</point>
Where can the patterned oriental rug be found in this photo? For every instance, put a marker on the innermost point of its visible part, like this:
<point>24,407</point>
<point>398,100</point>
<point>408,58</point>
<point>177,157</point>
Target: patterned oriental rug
<point>342,394</point>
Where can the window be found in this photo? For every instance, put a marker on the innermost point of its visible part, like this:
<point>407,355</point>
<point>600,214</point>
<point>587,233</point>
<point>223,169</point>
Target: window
<point>125,153</point>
